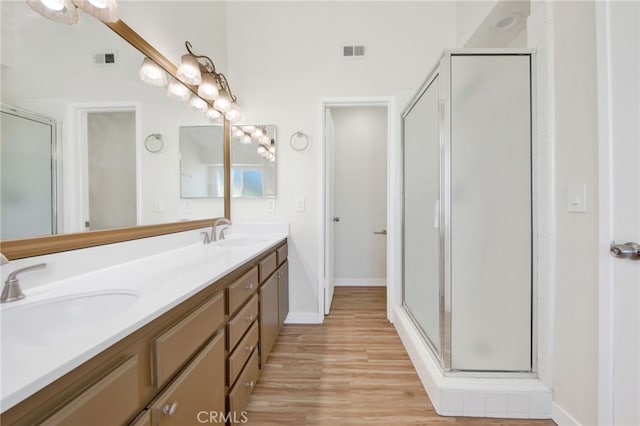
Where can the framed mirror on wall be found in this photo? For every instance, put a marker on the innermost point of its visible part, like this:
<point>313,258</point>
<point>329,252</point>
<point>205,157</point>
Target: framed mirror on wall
<point>79,82</point>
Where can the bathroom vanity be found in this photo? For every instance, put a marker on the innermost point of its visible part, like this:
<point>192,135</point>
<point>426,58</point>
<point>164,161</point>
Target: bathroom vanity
<point>188,350</point>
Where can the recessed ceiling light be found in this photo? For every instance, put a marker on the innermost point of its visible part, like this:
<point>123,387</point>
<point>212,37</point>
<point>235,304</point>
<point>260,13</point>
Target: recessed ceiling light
<point>507,22</point>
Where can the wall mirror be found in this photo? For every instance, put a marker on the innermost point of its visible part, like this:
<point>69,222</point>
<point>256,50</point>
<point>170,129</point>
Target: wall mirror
<point>253,161</point>
<point>201,162</point>
<point>84,77</point>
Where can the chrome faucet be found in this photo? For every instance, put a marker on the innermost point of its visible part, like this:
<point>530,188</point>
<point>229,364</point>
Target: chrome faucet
<point>11,290</point>
<point>214,229</point>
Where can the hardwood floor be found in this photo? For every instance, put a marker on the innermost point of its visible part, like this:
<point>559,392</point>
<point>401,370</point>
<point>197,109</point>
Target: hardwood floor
<point>351,370</point>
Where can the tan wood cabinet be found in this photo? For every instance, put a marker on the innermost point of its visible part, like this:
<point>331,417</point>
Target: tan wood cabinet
<point>195,364</point>
<point>268,317</point>
<point>196,392</point>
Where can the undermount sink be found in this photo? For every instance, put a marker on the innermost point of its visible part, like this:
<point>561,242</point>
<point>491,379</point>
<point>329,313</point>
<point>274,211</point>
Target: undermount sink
<point>239,242</point>
<point>63,318</point>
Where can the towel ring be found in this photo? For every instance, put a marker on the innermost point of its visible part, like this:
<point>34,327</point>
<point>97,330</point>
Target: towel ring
<point>154,143</point>
<point>299,141</point>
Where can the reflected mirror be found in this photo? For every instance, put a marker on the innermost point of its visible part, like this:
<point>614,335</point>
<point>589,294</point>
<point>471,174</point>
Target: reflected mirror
<point>84,78</point>
<point>201,162</point>
<point>253,161</point>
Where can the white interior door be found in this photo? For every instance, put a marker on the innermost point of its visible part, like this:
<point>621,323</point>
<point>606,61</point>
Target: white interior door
<point>619,69</point>
<point>330,218</point>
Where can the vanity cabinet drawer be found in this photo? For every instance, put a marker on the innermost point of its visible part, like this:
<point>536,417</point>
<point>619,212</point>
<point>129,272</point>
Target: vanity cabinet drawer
<point>241,290</point>
<point>282,253</point>
<point>242,352</point>
<point>267,266</point>
<point>112,400</point>
<point>240,393</point>
<point>241,322</point>
<point>175,346</point>
<point>200,387</point>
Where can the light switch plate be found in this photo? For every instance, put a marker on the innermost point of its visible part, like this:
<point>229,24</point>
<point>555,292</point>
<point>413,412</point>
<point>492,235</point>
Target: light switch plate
<point>577,198</point>
<point>271,205</point>
<point>159,205</point>
<point>300,204</point>
<point>186,206</point>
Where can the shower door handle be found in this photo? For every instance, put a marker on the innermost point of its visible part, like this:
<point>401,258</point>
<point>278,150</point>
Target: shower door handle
<point>383,232</point>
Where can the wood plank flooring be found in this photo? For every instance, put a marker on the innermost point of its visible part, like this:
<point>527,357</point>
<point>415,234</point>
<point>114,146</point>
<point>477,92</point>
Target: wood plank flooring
<point>351,370</point>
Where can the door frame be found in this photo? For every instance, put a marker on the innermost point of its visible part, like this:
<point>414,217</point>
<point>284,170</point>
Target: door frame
<point>606,266</point>
<point>75,148</point>
<point>394,195</point>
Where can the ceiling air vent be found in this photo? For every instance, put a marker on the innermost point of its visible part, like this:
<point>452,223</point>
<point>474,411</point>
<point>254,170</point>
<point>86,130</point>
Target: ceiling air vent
<point>106,59</point>
<point>353,51</point>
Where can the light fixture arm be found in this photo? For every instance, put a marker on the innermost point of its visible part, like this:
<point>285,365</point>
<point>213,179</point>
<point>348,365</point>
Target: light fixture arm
<point>209,66</point>
<point>224,83</point>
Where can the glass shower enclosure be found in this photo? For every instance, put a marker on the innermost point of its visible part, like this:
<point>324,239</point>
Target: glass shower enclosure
<point>467,213</point>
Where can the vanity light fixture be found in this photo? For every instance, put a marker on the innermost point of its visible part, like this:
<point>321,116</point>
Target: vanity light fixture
<point>213,114</point>
<point>151,73</point>
<point>66,11</point>
<point>178,91</point>
<point>196,103</point>
<point>199,70</point>
<point>61,11</point>
<point>104,10</point>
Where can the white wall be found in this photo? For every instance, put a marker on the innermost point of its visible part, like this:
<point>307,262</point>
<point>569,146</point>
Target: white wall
<point>575,379</point>
<point>284,56</point>
<point>360,195</point>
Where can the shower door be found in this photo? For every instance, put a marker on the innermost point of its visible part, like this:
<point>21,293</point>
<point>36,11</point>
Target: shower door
<point>422,290</point>
<point>28,205</point>
<point>467,212</point>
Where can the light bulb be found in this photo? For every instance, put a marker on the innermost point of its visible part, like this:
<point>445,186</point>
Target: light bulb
<point>248,129</point>
<point>246,139</point>
<point>266,140</point>
<point>100,4</point>
<point>223,103</point>
<point>212,114</point>
<point>257,134</point>
<point>56,5</point>
<point>196,103</point>
<point>189,70</point>
<point>233,115</point>
<point>261,150</point>
<point>208,88</point>
<point>272,149</point>
<point>151,73</point>
<point>237,132</point>
<point>178,91</point>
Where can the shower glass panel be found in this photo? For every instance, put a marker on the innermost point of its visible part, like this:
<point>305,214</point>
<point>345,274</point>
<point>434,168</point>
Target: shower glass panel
<point>421,268</point>
<point>28,205</point>
<point>490,213</point>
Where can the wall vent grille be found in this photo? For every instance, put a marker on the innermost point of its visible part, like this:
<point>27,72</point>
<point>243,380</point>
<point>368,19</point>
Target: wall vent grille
<point>353,51</point>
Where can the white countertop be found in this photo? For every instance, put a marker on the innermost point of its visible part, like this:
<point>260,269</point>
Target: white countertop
<point>160,282</point>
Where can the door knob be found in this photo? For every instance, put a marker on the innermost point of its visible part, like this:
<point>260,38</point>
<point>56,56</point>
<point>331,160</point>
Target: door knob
<point>336,218</point>
<point>630,250</point>
<point>383,232</point>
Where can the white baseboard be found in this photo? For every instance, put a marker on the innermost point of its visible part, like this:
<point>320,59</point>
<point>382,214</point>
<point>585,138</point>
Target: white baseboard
<point>360,282</point>
<point>304,318</point>
<point>561,417</point>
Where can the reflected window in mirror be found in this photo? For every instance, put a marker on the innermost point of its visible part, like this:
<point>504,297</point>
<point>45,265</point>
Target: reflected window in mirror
<point>253,161</point>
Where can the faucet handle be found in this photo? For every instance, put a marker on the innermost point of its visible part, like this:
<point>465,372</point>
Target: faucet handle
<point>207,239</point>
<point>13,277</point>
<point>11,290</point>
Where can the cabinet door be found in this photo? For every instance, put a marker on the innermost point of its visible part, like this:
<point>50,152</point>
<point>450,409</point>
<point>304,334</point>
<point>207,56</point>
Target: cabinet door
<point>283,294</point>
<point>112,400</point>
<point>268,317</point>
<point>197,392</point>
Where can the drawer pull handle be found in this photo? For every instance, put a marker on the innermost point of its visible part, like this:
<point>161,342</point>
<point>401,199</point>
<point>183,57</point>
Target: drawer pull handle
<point>249,348</point>
<point>250,384</point>
<point>170,410</point>
<point>249,287</point>
<point>250,318</point>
